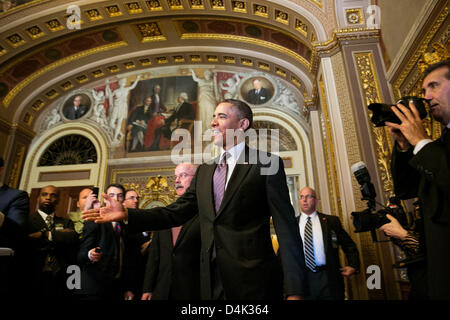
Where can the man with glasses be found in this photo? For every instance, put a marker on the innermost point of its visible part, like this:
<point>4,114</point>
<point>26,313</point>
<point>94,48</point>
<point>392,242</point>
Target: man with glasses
<point>173,266</point>
<point>101,255</point>
<point>322,235</point>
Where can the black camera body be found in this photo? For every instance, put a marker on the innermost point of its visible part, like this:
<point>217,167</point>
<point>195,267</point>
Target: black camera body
<point>368,220</point>
<point>382,112</point>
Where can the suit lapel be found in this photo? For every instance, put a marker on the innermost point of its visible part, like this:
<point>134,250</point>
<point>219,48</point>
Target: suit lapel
<point>208,181</point>
<point>240,171</point>
<point>324,225</point>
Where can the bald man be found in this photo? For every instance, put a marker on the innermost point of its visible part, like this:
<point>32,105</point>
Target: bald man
<point>173,266</point>
<point>324,275</point>
<point>53,243</point>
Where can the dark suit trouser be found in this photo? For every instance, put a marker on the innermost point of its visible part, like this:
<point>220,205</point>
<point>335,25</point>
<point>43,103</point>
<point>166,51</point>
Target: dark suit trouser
<point>318,286</point>
<point>216,282</point>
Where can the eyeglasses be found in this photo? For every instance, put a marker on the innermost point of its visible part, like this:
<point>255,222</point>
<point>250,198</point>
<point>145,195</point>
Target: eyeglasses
<point>183,175</point>
<point>114,195</point>
<point>307,197</point>
<point>133,198</point>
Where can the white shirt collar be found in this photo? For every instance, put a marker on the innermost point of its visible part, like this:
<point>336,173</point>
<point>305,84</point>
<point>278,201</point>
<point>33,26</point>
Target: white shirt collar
<point>235,152</point>
<point>44,215</point>
<point>312,215</point>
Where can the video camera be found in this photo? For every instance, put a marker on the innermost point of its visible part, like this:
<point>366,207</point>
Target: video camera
<point>370,219</point>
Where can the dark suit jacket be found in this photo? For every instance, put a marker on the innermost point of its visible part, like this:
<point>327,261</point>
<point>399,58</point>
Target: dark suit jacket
<point>240,229</point>
<point>262,97</point>
<point>97,278</point>
<point>333,237</point>
<point>63,246</point>
<point>173,272</point>
<point>71,114</point>
<point>184,111</point>
<point>15,206</point>
<point>139,114</point>
<point>427,175</point>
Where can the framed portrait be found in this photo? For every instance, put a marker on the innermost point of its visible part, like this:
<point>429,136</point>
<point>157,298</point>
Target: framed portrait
<point>257,90</point>
<point>156,108</point>
<point>76,106</point>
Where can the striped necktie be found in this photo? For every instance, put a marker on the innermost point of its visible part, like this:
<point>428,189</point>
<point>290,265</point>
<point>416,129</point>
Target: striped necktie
<point>309,246</point>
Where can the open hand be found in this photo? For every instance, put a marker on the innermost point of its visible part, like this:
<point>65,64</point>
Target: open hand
<point>115,211</point>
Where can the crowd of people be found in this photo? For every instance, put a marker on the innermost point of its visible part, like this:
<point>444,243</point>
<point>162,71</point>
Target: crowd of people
<point>214,241</point>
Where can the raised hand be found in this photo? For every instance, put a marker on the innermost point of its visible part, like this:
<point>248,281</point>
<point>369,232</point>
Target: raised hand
<point>115,211</point>
<point>411,125</point>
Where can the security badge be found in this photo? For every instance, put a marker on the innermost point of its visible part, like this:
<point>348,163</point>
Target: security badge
<point>334,240</point>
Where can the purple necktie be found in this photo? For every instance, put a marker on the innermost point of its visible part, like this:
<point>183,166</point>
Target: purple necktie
<point>219,180</point>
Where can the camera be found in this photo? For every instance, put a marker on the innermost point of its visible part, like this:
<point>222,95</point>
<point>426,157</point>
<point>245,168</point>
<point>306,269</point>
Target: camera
<point>382,112</point>
<point>370,219</point>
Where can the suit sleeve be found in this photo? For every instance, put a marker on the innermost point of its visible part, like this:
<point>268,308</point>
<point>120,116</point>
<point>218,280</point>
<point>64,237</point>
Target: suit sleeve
<point>288,234</point>
<point>65,238</point>
<point>152,266</point>
<point>19,208</point>
<point>161,218</point>
<point>348,245</point>
<point>405,177</point>
<point>88,241</point>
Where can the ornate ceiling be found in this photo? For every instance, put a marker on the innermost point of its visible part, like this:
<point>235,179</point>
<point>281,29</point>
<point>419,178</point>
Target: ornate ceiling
<point>48,48</point>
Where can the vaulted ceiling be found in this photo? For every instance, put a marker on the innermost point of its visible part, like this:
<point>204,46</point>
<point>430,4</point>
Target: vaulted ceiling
<point>48,48</point>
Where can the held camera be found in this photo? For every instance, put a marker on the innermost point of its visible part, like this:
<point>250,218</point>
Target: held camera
<point>382,112</point>
<point>370,219</point>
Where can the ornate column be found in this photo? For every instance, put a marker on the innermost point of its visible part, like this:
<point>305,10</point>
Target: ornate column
<point>350,76</point>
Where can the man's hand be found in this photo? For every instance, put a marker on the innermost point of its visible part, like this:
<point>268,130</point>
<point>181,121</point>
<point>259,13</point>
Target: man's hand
<point>347,271</point>
<point>115,211</point>
<point>92,202</point>
<point>394,229</point>
<point>94,256</point>
<point>146,296</point>
<point>411,125</point>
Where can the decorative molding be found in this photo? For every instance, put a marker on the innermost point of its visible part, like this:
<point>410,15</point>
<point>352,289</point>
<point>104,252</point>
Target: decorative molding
<point>370,87</point>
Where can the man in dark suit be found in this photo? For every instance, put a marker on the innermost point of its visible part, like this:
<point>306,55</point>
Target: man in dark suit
<point>173,266</point>
<point>137,124</point>
<point>421,168</point>
<point>237,257</point>
<point>14,211</point>
<point>76,110</point>
<point>101,255</point>
<point>184,111</point>
<point>259,94</point>
<point>53,242</point>
<point>136,253</point>
<point>324,274</point>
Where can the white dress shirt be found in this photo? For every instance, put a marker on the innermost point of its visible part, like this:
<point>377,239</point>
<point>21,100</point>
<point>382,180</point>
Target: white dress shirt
<point>235,153</point>
<point>319,251</point>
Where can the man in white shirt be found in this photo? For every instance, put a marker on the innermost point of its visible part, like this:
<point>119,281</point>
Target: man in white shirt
<point>421,168</point>
<point>322,235</point>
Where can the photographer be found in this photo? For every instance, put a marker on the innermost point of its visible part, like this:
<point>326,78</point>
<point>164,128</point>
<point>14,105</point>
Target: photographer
<point>421,168</point>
